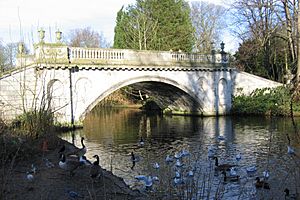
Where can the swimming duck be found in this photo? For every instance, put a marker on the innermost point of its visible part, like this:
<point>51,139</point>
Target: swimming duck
<point>68,165</point>
<point>221,137</point>
<point>232,177</point>
<point>261,184</point>
<point>222,167</point>
<point>95,170</point>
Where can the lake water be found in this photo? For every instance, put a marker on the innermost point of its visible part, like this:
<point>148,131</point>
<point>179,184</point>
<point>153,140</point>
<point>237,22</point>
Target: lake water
<point>262,143</point>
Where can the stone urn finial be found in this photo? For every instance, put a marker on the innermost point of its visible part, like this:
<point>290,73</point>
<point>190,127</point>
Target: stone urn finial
<point>21,48</point>
<point>58,34</point>
<point>41,35</point>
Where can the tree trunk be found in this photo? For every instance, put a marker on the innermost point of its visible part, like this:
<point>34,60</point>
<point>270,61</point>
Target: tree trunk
<point>298,44</point>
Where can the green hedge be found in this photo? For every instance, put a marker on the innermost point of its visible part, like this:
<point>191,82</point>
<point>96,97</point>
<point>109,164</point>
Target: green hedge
<point>267,101</point>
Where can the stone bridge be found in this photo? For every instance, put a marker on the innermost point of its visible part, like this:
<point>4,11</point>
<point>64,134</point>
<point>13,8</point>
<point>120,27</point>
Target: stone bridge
<point>72,81</point>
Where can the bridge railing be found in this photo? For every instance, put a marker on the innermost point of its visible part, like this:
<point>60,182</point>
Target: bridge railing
<point>135,57</point>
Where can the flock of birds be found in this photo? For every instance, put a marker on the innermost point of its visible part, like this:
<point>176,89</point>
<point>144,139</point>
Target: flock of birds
<point>71,158</point>
<point>229,171</point>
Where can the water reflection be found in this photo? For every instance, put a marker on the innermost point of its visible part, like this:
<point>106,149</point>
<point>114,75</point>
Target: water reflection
<point>114,134</point>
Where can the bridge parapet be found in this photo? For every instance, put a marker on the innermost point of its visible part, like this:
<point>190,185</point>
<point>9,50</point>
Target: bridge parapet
<point>145,58</point>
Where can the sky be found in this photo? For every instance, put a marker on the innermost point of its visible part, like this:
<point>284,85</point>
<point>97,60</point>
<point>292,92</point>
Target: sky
<point>21,19</point>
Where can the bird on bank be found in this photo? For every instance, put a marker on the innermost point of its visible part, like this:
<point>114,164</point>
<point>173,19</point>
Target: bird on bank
<point>148,180</point>
<point>68,165</point>
<point>222,167</point>
<point>261,184</point>
<point>83,160</point>
<point>73,150</point>
<point>134,158</point>
<point>95,170</point>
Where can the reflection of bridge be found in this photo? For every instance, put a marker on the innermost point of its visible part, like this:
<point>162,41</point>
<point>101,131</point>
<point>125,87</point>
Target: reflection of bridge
<point>74,80</point>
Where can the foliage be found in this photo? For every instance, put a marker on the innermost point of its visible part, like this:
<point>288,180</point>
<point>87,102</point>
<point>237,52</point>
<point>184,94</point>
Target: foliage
<point>267,29</point>
<point>34,123</point>
<point>265,101</point>
<point>155,25</point>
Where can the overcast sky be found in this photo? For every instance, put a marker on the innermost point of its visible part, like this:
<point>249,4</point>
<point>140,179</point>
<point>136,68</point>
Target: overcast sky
<point>21,19</point>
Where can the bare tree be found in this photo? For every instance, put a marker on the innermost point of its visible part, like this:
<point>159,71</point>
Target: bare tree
<point>208,21</point>
<point>87,38</point>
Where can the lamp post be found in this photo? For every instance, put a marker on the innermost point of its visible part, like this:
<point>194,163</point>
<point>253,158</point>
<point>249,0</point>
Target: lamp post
<point>72,70</point>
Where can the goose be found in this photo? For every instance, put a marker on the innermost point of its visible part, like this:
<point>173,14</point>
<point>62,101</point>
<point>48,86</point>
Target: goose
<point>222,167</point>
<point>168,159</point>
<point>232,177</point>
<point>261,184</point>
<point>148,180</point>
<point>134,158</point>
<point>288,195</point>
<point>95,170</point>
<point>83,160</point>
<point>73,150</point>
<point>68,165</point>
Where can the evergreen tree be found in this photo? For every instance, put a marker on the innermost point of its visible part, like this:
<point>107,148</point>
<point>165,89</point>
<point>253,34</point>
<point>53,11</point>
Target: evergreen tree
<point>155,25</point>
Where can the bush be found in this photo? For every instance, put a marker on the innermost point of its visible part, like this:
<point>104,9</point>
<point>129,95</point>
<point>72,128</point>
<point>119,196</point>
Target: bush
<point>267,101</point>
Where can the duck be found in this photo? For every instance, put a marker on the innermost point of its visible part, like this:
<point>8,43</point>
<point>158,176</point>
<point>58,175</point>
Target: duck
<point>222,167</point>
<point>288,195</point>
<point>232,177</point>
<point>48,163</point>
<point>68,165</point>
<point>185,153</point>
<point>261,184</point>
<point>29,176</point>
<point>221,137</point>
<point>95,170</point>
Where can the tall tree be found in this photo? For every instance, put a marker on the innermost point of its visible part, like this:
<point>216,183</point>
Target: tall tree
<point>208,20</point>
<point>155,25</point>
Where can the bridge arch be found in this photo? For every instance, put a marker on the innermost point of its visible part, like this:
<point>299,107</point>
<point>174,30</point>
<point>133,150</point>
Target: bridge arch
<point>193,95</point>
